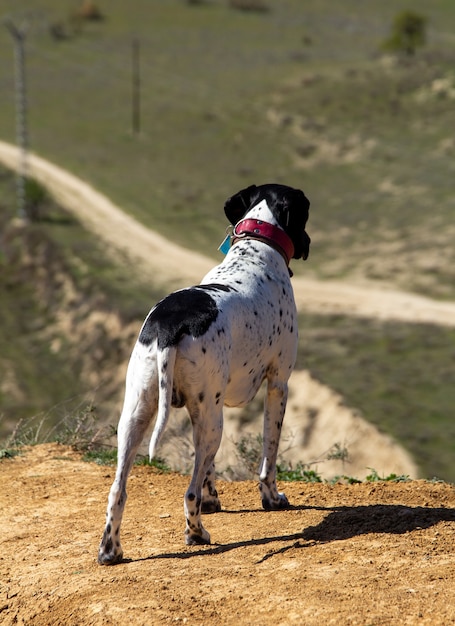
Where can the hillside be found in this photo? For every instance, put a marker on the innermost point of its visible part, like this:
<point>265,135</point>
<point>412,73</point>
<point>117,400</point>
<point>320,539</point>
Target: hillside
<point>317,422</point>
<point>372,553</point>
<point>226,102</point>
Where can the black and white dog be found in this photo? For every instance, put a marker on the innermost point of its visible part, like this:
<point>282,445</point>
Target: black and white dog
<point>213,345</point>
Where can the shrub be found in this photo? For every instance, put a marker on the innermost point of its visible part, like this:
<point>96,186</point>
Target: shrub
<point>89,11</point>
<point>252,6</point>
<point>35,199</point>
<point>408,33</point>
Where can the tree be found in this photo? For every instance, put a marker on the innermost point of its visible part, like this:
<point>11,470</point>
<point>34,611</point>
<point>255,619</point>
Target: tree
<point>408,33</point>
<point>35,199</point>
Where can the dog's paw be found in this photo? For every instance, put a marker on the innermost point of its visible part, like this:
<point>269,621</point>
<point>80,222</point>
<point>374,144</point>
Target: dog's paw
<point>275,504</point>
<point>109,555</point>
<point>283,502</point>
<point>197,540</point>
<point>211,506</point>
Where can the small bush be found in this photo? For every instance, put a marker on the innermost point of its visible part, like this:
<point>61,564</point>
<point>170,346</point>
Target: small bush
<point>101,456</point>
<point>408,33</point>
<point>301,473</point>
<point>338,453</point>
<point>6,453</point>
<point>374,477</point>
<point>157,463</point>
<point>36,198</point>
<point>80,430</point>
<point>89,11</point>
<point>251,6</point>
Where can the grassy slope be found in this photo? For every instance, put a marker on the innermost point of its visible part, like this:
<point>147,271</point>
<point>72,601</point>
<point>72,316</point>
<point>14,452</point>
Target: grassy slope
<point>210,78</point>
<point>40,367</point>
<point>232,98</point>
<point>400,375</point>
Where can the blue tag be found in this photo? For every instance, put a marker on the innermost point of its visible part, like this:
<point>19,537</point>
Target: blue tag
<point>225,245</point>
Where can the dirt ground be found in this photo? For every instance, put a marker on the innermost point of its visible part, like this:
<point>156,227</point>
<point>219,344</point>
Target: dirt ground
<point>370,553</point>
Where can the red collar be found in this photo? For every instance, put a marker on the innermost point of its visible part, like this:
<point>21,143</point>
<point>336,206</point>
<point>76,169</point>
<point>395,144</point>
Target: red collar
<point>273,235</point>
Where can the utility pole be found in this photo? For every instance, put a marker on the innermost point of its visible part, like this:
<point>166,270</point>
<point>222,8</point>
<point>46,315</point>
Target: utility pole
<point>136,87</point>
<point>18,35</point>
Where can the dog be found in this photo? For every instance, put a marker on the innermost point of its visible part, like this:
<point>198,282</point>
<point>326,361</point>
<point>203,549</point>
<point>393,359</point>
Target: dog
<point>213,345</point>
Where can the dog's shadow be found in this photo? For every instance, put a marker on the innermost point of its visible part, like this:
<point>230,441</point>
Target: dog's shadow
<point>340,523</point>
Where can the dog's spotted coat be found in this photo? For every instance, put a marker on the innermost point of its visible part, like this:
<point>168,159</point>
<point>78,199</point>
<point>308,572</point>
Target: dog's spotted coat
<point>213,345</point>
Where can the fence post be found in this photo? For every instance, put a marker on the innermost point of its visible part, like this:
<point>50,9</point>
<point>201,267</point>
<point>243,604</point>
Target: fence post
<point>136,87</point>
<point>18,35</point>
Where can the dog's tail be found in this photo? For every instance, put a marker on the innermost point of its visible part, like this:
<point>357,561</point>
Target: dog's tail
<point>165,362</point>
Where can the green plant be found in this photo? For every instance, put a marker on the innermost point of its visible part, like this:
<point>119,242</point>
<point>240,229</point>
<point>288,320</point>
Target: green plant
<point>343,478</point>
<point>101,456</point>
<point>8,453</point>
<point>408,33</point>
<point>36,197</point>
<point>88,10</point>
<point>374,477</point>
<point>300,472</point>
<point>157,463</point>
<point>338,453</point>
<point>107,455</point>
<point>80,430</point>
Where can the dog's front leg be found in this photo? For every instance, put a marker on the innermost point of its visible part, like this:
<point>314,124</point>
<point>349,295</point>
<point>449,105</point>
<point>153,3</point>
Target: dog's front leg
<point>275,405</point>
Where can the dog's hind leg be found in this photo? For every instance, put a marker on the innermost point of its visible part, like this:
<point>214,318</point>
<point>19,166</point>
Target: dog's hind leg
<point>210,500</point>
<point>139,407</point>
<point>275,406</point>
<point>207,430</point>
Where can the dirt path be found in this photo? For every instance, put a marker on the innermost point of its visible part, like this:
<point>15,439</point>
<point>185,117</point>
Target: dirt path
<point>336,423</point>
<point>184,267</point>
<point>379,553</point>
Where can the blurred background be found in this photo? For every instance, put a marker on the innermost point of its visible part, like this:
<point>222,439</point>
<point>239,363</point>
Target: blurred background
<point>169,107</point>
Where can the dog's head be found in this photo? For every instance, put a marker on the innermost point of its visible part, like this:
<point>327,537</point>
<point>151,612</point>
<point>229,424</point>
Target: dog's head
<point>288,206</point>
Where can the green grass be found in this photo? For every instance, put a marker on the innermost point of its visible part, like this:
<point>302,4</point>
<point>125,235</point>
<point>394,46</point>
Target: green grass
<point>210,78</point>
<point>299,473</point>
<point>108,456</point>
<point>102,456</point>
<point>400,377</point>
<point>302,473</point>
<point>8,453</point>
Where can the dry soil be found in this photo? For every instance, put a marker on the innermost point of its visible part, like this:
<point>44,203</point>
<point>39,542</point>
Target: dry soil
<point>370,553</point>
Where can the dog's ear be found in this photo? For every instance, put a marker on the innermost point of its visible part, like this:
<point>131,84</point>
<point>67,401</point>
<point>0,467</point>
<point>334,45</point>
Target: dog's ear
<point>236,207</point>
<point>293,217</point>
<point>305,245</point>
